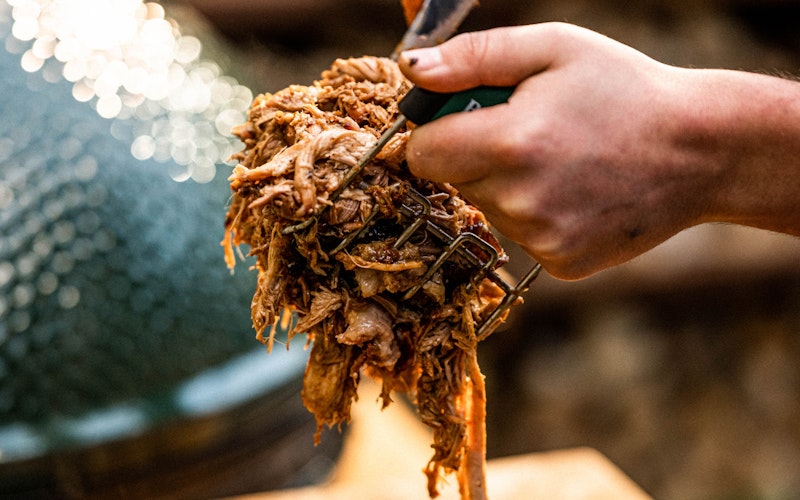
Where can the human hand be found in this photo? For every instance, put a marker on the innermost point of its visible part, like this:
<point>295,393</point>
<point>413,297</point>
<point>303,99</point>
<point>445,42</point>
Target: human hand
<point>600,154</point>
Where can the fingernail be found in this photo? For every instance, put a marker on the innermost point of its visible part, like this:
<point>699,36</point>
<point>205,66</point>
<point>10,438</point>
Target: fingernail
<point>422,59</point>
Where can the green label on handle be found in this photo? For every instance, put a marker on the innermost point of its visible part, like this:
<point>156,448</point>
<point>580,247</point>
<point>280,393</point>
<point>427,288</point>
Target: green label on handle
<point>470,100</point>
<point>421,106</point>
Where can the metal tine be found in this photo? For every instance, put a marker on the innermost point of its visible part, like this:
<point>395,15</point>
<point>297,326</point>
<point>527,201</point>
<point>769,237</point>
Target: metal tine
<point>431,270</point>
<point>405,209</point>
<point>464,251</point>
<point>356,234</point>
<point>420,217</point>
<point>456,245</point>
<point>490,262</point>
<point>302,225</point>
<point>488,325</point>
<point>351,174</point>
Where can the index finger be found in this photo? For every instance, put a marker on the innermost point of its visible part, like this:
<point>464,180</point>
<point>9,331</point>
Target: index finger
<point>460,147</point>
<point>496,57</point>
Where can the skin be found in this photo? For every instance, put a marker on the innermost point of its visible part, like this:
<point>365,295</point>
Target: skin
<point>602,153</point>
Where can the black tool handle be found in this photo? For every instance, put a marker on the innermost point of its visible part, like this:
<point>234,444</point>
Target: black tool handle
<point>422,106</point>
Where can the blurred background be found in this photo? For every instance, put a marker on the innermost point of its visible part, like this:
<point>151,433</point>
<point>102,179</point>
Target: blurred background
<point>128,367</point>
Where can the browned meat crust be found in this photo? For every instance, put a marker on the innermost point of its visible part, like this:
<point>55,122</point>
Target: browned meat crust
<point>299,144</point>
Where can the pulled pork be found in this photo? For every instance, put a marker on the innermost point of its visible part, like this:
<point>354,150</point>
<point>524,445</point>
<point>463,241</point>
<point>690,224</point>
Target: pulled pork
<point>299,144</point>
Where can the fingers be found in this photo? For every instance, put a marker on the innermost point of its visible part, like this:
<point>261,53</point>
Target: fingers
<point>497,57</point>
<point>464,147</point>
<point>461,147</point>
<point>584,138</point>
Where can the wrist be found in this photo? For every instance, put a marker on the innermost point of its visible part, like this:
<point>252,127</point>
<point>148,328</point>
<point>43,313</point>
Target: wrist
<point>744,129</point>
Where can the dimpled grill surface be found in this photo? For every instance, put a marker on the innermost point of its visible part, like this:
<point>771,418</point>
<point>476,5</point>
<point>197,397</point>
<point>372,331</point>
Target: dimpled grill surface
<point>112,284</point>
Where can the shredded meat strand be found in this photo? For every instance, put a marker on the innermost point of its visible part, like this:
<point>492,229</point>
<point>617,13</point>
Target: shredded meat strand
<point>299,144</point>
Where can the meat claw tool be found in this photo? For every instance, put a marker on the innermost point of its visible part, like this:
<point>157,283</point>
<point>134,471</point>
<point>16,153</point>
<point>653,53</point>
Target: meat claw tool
<point>435,22</point>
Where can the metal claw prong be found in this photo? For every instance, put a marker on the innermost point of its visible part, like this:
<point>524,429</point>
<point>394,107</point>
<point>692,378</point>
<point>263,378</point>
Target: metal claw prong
<point>356,234</point>
<point>351,174</point>
<point>455,246</point>
<point>298,227</point>
<point>420,217</point>
<point>512,294</point>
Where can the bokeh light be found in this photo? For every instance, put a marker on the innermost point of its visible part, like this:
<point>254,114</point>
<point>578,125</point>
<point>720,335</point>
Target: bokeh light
<point>131,63</point>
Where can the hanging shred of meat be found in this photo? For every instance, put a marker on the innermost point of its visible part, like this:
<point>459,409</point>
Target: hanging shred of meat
<point>299,143</point>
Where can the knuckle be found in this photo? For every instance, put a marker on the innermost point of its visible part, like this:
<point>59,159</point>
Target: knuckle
<point>560,250</point>
<point>558,31</point>
<point>517,147</point>
<point>470,53</point>
<point>512,147</point>
<point>518,205</point>
<point>478,45</point>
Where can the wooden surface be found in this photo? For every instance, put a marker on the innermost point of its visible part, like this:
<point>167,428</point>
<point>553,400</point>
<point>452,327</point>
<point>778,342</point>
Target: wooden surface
<point>385,451</point>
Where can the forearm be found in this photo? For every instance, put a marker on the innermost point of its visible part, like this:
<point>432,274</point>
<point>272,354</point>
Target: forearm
<point>751,125</point>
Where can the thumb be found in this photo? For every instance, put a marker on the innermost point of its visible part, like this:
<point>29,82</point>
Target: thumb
<point>496,57</point>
